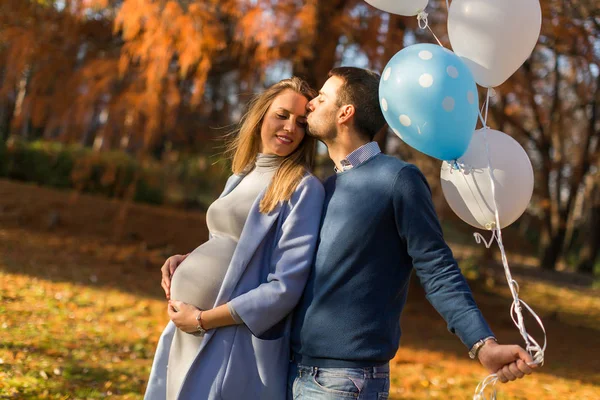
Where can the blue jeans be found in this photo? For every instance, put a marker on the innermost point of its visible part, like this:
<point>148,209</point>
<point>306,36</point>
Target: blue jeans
<point>316,383</point>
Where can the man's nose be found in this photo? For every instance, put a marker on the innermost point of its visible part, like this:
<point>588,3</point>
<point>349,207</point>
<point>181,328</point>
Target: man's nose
<point>310,106</point>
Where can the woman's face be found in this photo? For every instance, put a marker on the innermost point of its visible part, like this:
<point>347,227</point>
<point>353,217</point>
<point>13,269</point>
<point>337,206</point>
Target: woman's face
<point>284,124</point>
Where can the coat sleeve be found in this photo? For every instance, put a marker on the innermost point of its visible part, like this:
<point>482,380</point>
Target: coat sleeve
<point>445,286</point>
<point>266,305</point>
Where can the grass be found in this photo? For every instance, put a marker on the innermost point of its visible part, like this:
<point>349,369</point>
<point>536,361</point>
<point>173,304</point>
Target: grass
<point>80,318</point>
<point>63,340</point>
<point>67,331</point>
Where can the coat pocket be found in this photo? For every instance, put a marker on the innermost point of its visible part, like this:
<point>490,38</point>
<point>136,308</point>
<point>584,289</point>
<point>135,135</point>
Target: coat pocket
<point>257,368</point>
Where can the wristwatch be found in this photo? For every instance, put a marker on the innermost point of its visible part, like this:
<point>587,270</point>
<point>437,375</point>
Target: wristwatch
<point>478,345</point>
<point>200,331</point>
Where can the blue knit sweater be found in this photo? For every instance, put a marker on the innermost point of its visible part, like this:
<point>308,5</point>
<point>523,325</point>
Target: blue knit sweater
<point>378,223</point>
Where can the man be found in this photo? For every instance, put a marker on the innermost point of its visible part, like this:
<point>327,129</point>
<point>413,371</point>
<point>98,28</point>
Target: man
<point>378,223</point>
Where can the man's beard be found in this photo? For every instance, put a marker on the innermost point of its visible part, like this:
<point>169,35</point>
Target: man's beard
<point>320,134</point>
<point>310,133</point>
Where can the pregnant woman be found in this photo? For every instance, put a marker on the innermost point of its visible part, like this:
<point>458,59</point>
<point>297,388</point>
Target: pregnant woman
<point>231,297</point>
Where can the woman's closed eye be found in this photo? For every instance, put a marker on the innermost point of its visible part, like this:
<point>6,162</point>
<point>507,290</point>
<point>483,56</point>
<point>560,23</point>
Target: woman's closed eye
<point>300,123</point>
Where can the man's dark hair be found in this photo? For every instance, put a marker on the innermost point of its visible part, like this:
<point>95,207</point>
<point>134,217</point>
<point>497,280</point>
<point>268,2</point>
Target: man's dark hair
<point>361,89</point>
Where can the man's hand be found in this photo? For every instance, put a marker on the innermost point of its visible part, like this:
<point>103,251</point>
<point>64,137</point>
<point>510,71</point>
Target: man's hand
<point>167,271</point>
<point>183,315</point>
<point>509,362</point>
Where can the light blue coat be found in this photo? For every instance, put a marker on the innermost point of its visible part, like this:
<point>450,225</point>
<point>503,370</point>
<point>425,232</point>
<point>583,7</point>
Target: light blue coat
<point>264,282</point>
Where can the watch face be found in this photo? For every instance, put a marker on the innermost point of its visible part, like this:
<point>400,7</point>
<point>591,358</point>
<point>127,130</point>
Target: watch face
<point>475,348</point>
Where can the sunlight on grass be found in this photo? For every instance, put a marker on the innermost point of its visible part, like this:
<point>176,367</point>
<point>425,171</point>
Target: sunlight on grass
<point>62,340</point>
<point>80,320</point>
<point>418,374</point>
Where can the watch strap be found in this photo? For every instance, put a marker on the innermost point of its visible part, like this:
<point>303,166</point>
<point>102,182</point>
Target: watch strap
<point>478,345</point>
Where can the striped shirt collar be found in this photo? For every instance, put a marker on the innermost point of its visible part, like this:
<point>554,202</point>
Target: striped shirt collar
<point>362,154</point>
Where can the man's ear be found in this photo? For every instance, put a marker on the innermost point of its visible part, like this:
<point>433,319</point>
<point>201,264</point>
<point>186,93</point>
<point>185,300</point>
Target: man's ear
<point>345,113</point>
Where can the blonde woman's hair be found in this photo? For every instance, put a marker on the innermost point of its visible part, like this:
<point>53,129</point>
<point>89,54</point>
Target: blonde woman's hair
<point>245,146</point>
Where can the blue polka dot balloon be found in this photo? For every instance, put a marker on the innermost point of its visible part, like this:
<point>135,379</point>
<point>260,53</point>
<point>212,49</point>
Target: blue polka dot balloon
<point>429,98</point>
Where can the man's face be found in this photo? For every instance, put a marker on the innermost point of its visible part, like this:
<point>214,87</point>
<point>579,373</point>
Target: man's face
<point>322,110</point>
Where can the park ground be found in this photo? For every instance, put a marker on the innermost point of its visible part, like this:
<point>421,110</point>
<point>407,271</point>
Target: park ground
<point>81,312</point>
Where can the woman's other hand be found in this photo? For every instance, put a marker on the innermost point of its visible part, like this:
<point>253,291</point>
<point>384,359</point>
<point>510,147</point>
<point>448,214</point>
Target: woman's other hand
<point>167,271</point>
<point>183,315</point>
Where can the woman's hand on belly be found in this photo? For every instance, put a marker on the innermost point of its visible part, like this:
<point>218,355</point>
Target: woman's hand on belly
<point>183,315</point>
<point>168,269</point>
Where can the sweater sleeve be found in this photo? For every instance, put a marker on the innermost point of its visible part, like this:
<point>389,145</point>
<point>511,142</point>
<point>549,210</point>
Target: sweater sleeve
<point>266,305</point>
<point>445,286</point>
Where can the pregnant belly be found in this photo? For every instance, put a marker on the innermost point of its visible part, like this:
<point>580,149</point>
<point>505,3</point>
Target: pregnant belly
<point>198,278</point>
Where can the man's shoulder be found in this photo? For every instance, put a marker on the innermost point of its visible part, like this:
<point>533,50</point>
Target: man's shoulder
<point>397,173</point>
<point>389,164</point>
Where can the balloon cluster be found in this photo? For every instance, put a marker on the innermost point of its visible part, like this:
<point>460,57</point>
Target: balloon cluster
<point>428,95</point>
<point>429,98</point>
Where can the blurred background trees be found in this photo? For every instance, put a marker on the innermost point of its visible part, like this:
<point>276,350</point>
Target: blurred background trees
<point>128,97</point>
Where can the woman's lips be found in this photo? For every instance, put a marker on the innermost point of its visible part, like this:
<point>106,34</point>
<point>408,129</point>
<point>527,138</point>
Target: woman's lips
<point>284,139</point>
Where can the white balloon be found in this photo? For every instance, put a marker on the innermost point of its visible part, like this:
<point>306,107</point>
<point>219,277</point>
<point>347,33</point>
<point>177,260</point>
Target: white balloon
<point>400,7</point>
<point>468,191</point>
<point>494,37</point>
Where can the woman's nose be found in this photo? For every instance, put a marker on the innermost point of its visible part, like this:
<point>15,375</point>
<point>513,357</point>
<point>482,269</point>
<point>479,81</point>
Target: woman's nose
<point>289,126</point>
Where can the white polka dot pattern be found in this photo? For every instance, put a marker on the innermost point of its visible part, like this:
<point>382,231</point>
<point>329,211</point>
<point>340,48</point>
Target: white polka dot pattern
<point>384,105</point>
<point>470,97</point>
<point>425,55</point>
<point>426,80</point>
<point>405,120</point>
<point>448,104</point>
<point>386,74</point>
<point>452,71</point>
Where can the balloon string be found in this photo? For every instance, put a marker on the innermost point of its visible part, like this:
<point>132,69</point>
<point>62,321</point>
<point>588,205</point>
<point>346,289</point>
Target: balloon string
<point>463,169</point>
<point>436,38</point>
<point>532,347</point>
<point>424,23</point>
<point>484,106</point>
<point>512,283</point>
<point>480,390</point>
<point>487,105</point>
<point>479,238</point>
<point>422,19</point>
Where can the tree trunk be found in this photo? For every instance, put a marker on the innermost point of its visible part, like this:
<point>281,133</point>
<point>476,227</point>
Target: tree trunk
<point>393,43</point>
<point>591,245</point>
<point>325,39</point>
<point>6,115</point>
<point>589,251</point>
<point>551,247</point>
<point>128,199</point>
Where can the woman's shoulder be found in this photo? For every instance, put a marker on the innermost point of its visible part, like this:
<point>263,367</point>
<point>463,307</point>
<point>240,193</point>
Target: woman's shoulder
<point>232,177</point>
<point>309,190</point>
<point>309,194</point>
<point>231,180</point>
<point>311,183</point>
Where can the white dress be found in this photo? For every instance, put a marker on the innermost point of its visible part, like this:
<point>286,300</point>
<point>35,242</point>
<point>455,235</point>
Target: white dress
<point>198,278</point>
